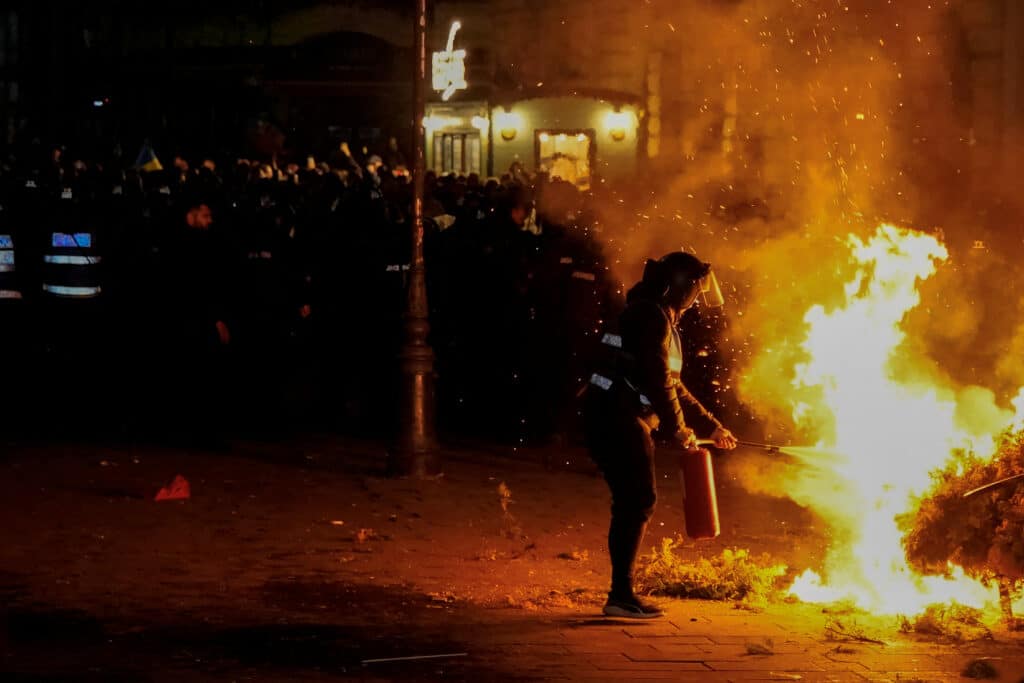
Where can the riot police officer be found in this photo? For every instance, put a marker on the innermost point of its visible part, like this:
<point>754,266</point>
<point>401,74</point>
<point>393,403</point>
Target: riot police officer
<point>12,317</point>
<point>640,388</point>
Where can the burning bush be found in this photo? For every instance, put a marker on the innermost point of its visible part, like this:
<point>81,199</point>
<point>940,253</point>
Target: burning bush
<point>983,533</point>
<point>732,575</point>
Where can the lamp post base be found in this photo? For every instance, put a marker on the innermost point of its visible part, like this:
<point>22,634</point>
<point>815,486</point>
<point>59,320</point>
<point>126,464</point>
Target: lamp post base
<point>415,452</point>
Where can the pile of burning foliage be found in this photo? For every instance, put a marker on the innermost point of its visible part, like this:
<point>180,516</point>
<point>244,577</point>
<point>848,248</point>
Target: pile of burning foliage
<point>983,532</point>
<point>734,575</point>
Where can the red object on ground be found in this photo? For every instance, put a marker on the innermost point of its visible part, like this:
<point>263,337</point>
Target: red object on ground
<point>700,502</point>
<point>178,489</point>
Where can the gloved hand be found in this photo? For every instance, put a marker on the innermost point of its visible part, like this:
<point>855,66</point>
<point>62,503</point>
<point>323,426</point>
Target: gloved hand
<point>724,439</point>
<point>688,438</point>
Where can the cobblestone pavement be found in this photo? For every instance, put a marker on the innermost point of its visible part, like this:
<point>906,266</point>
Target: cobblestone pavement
<point>299,562</point>
<point>707,642</point>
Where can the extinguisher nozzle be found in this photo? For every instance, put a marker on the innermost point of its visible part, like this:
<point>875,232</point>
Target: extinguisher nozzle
<point>760,446</point>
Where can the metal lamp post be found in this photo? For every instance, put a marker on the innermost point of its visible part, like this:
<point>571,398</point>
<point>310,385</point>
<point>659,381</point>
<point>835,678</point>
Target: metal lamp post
<point>415,453</point>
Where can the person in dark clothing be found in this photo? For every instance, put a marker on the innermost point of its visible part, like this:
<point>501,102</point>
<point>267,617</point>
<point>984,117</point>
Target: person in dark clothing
<point>196,278</point>
<point>266,310</point>
<point>394,160</point>
<point>640,389</point>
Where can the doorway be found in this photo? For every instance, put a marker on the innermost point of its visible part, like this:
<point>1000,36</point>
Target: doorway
<point>457,152</point>
<point>568,155</point>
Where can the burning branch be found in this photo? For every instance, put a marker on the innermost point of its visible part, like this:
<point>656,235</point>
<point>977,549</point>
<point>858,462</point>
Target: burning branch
<point>838,631</point>
<point>983,533</point>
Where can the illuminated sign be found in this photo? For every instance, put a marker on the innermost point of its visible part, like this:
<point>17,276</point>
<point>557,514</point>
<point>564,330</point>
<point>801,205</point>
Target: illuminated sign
<point>450,67</point>
<point>6,242</point>
<point>80,240</point>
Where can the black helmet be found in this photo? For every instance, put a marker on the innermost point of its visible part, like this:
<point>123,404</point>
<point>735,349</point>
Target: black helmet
<point>681,278</point>
<point>679,265</point>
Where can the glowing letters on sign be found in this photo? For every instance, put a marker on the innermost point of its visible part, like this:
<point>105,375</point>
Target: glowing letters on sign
<point>450,67</point>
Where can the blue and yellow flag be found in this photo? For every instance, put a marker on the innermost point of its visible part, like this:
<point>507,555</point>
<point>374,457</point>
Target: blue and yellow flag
<point>147,160</point>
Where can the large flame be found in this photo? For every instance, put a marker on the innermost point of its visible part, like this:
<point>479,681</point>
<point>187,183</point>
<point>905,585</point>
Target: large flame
<point>884,421</point>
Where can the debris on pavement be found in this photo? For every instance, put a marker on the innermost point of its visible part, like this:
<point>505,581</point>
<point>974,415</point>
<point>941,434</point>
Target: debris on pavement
<point>447,597</point>
<point>837,631</point>
<point>980,669</point>
<point>512,527</point>
<point>766,647</point>
<point>575,556</point>
<point>954,621</point>
<point>178,489</point>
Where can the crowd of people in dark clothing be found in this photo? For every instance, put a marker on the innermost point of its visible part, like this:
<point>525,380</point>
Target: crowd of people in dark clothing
<point>204,300</point>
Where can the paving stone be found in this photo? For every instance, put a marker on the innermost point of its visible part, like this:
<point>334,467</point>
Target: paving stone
<point>785,663</point>
<point>687,620</point>
<point>678,676</point>
<point>875,661</point>
<point>534,639</point>
<point>680,638</point>
<point>756,647</point>
<point>915,676</point>
<point>534,650</point>
<point>660,629</point>
<point>726,677</point>
<point>729,638</point>
<point>732,627</point>
<point>626,647</point>
<point>840,647</point>
<point>669,650</point>
<point>623,663</point>
<point>827,677</point>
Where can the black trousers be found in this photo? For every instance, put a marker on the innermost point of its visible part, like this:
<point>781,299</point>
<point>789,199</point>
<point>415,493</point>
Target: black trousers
<point>624,450</point>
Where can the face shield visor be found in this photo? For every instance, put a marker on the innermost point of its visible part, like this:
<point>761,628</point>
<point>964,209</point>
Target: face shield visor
<point>710,291</point>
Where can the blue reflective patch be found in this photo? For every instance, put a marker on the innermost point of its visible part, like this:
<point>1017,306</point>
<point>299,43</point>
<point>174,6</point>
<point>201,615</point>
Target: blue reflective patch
<point>6,242</point>
<point>81,240</point>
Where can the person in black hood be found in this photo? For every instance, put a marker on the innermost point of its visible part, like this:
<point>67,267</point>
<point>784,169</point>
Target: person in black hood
<point>640,389</point>
<point>196,278</point>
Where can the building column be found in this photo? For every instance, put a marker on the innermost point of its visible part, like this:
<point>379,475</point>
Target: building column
<point>1012,132</point>
<point>653,118</point>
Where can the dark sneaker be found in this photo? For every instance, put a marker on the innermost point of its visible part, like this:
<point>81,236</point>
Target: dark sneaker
<point>631,608</point>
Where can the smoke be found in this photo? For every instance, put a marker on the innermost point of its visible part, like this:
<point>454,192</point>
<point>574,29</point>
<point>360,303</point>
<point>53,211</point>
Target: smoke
<point>808,121</point>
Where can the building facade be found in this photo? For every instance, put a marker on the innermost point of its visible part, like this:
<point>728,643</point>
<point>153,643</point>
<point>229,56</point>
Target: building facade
<point>206,74</point>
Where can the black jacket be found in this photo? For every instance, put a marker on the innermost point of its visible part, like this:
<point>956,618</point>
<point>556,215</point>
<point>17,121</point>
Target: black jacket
<point>652,364</point>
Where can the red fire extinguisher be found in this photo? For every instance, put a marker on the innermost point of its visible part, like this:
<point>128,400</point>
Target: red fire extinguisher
<point>700,503</point>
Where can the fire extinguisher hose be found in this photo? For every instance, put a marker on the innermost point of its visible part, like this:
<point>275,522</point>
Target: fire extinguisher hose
<point>749,444</point>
